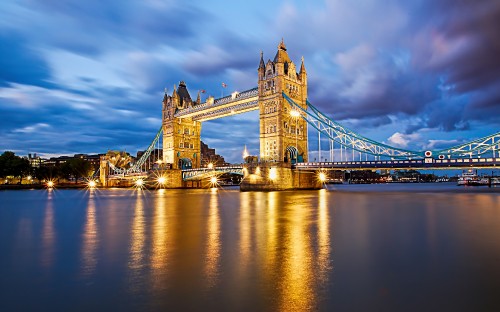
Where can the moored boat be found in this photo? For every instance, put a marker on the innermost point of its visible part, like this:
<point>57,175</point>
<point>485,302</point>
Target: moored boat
<point>469,177</point>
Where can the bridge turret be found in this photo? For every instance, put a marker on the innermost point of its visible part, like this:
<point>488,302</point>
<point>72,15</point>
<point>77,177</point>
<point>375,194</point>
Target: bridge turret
<point>181,136</point>
<point>282,134</point>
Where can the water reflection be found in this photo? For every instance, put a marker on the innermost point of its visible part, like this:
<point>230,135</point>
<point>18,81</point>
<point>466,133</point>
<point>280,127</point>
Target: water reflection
<point>160,235</point>
<point>245,226</point>
<point>297,275</point>
<point>90,238</point>
<point>323,237</point>
<point>137,241</point>
<point>213,241</point>
<point>48,232</point>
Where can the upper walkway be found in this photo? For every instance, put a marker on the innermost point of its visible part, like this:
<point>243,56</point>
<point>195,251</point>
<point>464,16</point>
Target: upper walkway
<point>236,103</point>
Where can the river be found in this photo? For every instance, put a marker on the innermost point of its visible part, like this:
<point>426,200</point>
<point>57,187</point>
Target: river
<point>401,247</point>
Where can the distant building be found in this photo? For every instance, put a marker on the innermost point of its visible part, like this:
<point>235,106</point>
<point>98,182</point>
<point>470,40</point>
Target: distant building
<point>154,160</point>
<point>35,160</point>
<point>208,156</point>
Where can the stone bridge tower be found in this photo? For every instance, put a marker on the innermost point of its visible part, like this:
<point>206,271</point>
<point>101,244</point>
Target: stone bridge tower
<point>283,134</point>
<point>181,136</point>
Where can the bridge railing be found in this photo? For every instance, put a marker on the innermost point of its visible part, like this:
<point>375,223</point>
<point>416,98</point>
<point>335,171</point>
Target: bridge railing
<point>219,102</point>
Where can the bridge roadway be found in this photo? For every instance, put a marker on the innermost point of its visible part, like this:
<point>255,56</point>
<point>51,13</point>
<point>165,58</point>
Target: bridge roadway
<point>428,163</point>
<point>421,164</point>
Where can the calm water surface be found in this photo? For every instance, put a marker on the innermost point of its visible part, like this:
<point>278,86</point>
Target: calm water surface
<point>429,247</point>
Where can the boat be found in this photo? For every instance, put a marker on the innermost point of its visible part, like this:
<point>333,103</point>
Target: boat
<point>469,177</point>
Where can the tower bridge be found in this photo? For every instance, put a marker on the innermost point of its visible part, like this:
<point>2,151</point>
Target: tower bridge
<point>285,115</point>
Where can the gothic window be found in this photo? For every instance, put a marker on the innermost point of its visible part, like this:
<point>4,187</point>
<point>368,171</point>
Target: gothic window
<point>275,128</point>
<point>191,145</point>
<point>285,125</point>
<point>181,145</point>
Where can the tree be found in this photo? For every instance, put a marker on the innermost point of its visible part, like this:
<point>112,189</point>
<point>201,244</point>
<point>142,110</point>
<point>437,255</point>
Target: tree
<point>12,165</point>
<point>77,167</point>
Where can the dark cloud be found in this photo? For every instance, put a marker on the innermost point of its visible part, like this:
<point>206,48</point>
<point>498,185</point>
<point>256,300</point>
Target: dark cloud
<point>403,67</point>
<point>20,63</point>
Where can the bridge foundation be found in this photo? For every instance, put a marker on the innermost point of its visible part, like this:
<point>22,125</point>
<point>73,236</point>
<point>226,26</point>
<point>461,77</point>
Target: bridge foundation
<point>276,176</point>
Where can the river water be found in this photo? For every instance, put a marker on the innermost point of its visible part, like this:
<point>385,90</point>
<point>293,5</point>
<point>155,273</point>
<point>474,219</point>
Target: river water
<point>418,247</point>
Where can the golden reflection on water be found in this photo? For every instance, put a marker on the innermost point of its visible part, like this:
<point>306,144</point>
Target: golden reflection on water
<point>245,230</point>
<point>138,238</point>
<point>90,238</point>
<point>160,229</point>
<point>213,241</point>
<point>297,293</point>
<point>48,233</point>
<point>272,229</point>
<point>323,236</point>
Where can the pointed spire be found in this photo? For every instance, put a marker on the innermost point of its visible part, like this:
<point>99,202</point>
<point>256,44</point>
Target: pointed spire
<point>174,94</point>
<point>302,67</point>
<point>262,65</point>
<point>282,46</point>
<point>198,99</point>
<point>245,152</point>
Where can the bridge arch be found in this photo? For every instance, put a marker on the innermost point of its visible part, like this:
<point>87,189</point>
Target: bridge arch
<point>185,163</point>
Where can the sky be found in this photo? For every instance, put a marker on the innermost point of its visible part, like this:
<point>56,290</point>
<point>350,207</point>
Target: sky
<point>89,76</point>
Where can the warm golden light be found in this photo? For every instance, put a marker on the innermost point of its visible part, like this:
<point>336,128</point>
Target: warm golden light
<point>213,180</point>
<point>322,177</point>
<point>294,113</point>
<point>273,173</point>
<point>210,166</point>
<point>161,180</point>
<point>139,182</point>
<point>50,184</point>
<point>245,152</point>
<point>91,184</point>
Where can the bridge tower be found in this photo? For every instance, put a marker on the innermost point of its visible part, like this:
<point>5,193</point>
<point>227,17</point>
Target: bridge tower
<point>283,134</point>
<point>181,136</point>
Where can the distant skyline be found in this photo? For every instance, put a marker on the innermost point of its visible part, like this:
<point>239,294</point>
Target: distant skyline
<point>88,76</point>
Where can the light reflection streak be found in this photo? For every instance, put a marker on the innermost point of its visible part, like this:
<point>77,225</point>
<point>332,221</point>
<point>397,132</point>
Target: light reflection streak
<point>271,228</point>
<point>48,233</point>
<point>244,230</point>
<point>137,236</point>
<point>323,236</point>
<point>213,241</point>
<point>90,238</point>
<point>296,284</point>
<point>159,253</point>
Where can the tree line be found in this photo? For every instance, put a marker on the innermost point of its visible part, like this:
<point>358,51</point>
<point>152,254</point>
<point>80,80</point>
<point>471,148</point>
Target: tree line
<point>18,167</point>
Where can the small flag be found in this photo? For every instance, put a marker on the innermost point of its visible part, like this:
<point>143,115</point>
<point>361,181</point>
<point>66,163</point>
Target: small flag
<point>224,85</point>
<point>203,91</point>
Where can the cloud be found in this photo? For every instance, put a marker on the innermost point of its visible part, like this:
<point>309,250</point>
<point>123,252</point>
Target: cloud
<point>420,73</point>
<point>402,140</point>
<point>32,129</point>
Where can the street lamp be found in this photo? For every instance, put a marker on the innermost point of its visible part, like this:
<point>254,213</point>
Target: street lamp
<point>296,114</point>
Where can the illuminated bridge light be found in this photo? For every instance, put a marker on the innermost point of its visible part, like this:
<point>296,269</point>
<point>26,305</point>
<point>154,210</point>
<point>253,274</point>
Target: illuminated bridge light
<point>91,184</point>
<point>50,184</point>
<point>161,180</point>
<point>273,174</point>
<point>139,183</point>
<point>322,177</point>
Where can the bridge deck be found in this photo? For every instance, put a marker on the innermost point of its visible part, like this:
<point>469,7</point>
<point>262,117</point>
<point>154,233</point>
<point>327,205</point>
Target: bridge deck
<point>236,103</point>
<point>405,164</point>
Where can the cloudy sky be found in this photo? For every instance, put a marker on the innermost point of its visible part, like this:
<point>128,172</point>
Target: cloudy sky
<point>87,76</point>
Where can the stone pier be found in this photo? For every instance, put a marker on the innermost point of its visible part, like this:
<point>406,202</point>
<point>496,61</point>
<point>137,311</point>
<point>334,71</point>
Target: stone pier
<point>274,176</point>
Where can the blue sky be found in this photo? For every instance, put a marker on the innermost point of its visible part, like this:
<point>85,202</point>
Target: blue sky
<point>88,76</point>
